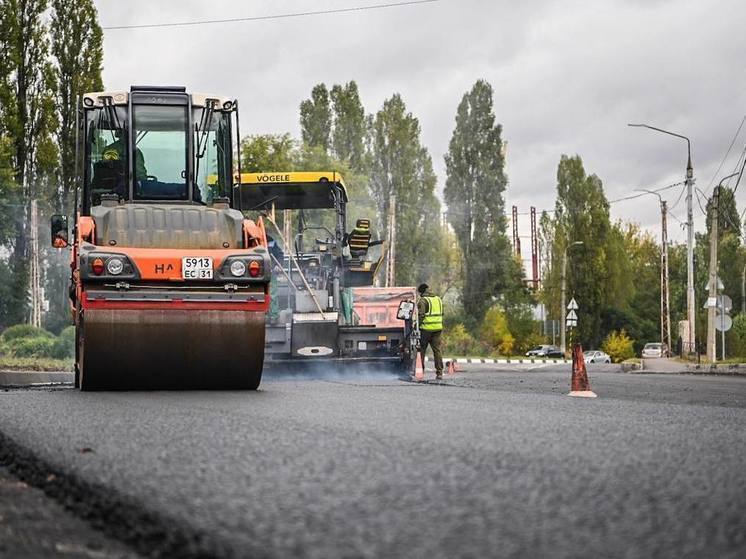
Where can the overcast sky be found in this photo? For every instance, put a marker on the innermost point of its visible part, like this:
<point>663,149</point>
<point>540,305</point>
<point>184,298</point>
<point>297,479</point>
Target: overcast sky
<point>568,76</point>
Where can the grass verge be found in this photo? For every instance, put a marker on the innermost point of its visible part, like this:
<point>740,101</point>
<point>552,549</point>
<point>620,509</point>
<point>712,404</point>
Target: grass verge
<point>34,364</point>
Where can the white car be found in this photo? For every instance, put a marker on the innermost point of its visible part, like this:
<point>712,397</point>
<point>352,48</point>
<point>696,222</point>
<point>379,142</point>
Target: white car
<point>596,356</point>
<point>652,350</point>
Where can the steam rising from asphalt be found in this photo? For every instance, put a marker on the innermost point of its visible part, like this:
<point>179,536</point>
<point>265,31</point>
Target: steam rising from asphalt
<point>335,372</point>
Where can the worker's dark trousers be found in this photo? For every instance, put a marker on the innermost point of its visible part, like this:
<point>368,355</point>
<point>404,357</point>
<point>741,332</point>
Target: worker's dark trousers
<point>432,338</point>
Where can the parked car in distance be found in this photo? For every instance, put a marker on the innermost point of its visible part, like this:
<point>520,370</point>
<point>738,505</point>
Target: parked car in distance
<point>653,350</point>
<point>597,356</point>
<point>544,351</point>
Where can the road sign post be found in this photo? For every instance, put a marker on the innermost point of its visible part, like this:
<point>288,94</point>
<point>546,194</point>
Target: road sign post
<point>571,319</point>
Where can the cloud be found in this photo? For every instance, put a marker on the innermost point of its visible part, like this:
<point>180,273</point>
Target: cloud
<point>568,77</point>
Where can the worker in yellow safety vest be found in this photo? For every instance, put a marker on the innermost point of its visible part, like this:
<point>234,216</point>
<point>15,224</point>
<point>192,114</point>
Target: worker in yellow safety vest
<point>430,312</point>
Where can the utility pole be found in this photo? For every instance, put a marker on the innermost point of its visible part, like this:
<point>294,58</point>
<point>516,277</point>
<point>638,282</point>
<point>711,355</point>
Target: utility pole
<point>713,277</point>
<point>691,311</point>
<point>35,273</point>
<point>665,299</point>
<point>689,344</point>
<point>390,263</point>
<point>516,238</point>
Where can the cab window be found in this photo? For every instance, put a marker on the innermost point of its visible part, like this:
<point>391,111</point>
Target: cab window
<point>161,152</point>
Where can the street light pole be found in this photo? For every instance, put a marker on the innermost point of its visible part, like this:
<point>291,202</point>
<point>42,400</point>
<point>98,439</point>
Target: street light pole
<point>690,344</point>
<point>713,275</point>
<point>665,299</point>
<point>563,298</point>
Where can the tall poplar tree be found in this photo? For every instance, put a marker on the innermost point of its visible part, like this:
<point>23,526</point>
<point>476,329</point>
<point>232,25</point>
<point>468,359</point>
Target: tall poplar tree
<point>402,166</point>
<point>78,54</point>
<point>474,190</point>
<point>348,136</point>
<point>27,100</point>
<point>582,214</point>
<point>316,118</point>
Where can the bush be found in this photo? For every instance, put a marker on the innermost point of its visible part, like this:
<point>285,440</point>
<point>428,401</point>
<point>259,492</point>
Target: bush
<point>531,342</point>
<point>495,332</point>
<point>38,346</point>
<point>736,337</point>
<point>619,346</point>
<point>24,331</point>
<point>64,345</point>
<point>457,341</point>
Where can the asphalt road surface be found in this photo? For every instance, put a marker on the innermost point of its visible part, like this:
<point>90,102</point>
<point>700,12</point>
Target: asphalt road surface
<point>494,463</point>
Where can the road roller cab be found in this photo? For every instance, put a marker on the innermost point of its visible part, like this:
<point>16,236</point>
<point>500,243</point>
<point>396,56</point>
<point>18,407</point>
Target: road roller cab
<point>170,282</point>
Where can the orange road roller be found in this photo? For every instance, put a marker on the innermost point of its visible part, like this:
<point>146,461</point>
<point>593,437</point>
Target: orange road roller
<point>170,283</point>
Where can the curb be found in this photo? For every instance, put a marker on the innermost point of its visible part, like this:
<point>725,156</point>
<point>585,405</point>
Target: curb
<point>630,367</point>
<point>479,360</point>
<point>31,378</point>
<point>736,369</point>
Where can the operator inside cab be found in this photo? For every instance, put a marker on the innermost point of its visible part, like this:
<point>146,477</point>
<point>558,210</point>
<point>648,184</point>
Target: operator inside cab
<point>159,136</point>
<point>359,239</point>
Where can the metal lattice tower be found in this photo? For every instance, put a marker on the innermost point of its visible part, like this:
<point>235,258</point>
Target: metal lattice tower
<point>534,250</point>
<point>665,312</point>
<point>516,238</point>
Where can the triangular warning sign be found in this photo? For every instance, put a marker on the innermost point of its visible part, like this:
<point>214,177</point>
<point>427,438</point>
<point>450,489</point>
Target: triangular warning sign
<point>571,315</point>
<point>573,304</point>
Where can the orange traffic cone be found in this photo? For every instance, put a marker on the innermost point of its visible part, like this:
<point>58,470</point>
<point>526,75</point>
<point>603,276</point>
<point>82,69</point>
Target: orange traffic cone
<point>580,386</point>
<point>419,369</point>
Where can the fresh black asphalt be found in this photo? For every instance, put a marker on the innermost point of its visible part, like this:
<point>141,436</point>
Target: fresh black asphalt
<point>491,464</point>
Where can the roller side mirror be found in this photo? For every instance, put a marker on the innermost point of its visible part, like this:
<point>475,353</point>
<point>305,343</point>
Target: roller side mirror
<point>59,231</point>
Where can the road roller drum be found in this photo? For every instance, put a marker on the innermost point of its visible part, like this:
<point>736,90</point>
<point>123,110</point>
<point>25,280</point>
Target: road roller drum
<point>171,349</point>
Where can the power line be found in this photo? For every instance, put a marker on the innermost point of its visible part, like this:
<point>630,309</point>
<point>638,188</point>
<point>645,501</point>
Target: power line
<point>681,194</point>
<point>633,196</point>
<point>271,16</point>
<point>697,191</point>
<point>733,141</point>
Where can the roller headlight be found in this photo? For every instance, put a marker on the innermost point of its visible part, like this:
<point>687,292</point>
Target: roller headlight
<point>238,268</point>
<point>114,266</point>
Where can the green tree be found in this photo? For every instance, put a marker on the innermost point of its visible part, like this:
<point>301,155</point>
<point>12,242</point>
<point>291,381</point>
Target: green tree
<point>78,53</point>
<point>633,285</point>
<point>27,120</point>
<point>474,190</point>
<point>316,118</point>
<point>348,136</point>
<point>582,214</point>
<point>265,153</point>
<point>402,166</point>
<point>729,220</point>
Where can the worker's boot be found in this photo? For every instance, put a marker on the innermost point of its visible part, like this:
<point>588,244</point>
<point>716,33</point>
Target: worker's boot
<point>438,375</point>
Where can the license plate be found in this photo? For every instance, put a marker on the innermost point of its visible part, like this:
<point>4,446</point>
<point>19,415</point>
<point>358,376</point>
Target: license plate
<point>194,267</point>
